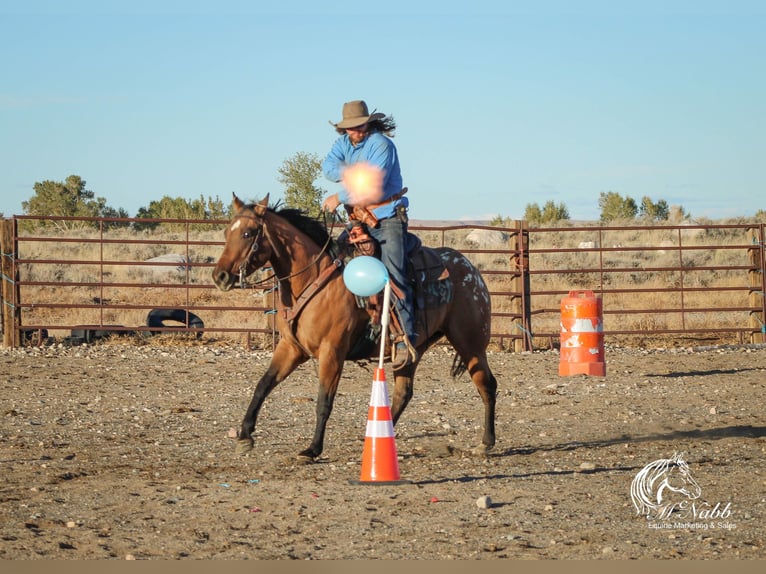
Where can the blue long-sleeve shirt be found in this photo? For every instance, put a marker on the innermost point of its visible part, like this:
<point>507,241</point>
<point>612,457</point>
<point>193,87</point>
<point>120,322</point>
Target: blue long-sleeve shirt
<point>376,149</point>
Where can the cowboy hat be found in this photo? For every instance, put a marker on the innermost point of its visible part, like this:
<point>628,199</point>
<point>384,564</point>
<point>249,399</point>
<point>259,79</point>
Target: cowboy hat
<point>355,114</point>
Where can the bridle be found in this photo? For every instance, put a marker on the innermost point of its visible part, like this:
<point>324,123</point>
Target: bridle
<point>255,245</point>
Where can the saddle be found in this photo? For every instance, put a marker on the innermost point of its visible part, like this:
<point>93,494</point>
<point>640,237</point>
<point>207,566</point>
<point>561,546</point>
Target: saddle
<point>431,286</point>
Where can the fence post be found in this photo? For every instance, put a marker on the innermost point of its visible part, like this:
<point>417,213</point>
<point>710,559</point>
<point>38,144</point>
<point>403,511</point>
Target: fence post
<point>521,304</point>
<point>9,295</point>
<point>755,255</point>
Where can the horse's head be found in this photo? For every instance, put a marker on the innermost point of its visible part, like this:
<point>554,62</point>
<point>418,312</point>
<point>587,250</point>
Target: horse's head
<point>659,485</point>
<point>247,247</point>
<point>679,479</point>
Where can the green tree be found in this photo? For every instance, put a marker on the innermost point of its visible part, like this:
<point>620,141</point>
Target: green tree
<point>67,199</point>
<point>180,208</point>
<point>119,213</point>
<point>614,207</point>
<point>500,221</point>
<point>551,212</point>
<point>298,174</point>
<point>216,209</point>
<point>652,211</point>
<point>533,214</point>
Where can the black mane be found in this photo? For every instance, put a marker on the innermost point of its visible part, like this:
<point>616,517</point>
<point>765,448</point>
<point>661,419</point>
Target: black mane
<point>311,226</point>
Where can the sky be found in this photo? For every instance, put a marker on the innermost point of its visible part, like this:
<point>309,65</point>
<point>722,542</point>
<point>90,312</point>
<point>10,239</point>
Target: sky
<point>497,104</point>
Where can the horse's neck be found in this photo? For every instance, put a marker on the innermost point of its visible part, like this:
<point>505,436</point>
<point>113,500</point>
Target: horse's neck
<point>661,491</point>
<point>666,485</point>
<point>296,259</point>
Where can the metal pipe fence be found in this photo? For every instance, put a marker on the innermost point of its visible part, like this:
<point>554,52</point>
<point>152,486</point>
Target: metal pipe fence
<point>76,279</point>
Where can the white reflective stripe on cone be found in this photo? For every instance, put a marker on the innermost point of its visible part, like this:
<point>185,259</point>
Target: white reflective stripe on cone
<point>380,429</point>
<point>379,398</point>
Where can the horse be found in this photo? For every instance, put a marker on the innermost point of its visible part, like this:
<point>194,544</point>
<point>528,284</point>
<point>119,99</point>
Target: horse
<point>318,317</point>
<point>653,484</point>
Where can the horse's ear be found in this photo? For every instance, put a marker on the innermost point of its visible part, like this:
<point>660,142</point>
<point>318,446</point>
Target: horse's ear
<point>236,202</point>
<point>262,205</point>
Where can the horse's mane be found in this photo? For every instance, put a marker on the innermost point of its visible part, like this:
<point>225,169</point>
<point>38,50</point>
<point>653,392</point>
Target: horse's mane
<point>311,226</point>
<point>316,229</point>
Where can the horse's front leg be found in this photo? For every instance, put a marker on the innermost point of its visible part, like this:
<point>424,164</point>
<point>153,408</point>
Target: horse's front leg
<point>330,369</point>
<point>285,360</point>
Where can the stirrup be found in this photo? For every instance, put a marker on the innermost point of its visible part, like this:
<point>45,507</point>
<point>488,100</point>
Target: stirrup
<point>403,356</point>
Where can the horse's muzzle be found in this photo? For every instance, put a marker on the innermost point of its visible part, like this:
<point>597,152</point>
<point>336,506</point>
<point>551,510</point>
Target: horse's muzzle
<point>223,279</point>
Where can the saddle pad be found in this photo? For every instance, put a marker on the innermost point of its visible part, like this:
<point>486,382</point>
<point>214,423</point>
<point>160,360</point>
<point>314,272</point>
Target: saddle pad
<point>432,285</point>
<point>428,266</point>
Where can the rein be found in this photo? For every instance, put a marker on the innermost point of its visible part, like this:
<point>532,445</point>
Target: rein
<point>290,313</point>
<point>243,282</point>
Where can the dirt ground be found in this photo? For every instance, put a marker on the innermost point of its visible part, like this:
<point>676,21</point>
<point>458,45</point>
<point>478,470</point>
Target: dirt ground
<point>123,452</point>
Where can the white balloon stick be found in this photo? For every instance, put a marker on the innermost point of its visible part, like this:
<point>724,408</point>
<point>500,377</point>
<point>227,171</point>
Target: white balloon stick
<point>384,321</point>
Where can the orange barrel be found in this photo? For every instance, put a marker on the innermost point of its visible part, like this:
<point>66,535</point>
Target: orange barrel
<point>582,335</point>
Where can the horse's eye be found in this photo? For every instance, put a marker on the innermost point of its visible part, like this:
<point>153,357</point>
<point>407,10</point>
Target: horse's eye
<point>247,234</point>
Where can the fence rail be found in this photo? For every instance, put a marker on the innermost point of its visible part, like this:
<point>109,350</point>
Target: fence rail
<point>681,283</point>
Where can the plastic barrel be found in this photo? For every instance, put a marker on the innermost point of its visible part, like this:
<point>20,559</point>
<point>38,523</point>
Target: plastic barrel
<point>582,335</point>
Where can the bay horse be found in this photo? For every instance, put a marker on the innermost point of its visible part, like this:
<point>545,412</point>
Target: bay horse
<point>318,317</point>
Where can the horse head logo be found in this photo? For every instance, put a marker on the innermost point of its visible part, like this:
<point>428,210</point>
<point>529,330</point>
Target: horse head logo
<point>662,484</point>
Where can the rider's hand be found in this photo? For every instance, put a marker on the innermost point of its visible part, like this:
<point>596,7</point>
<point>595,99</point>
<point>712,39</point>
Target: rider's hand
<point>331,203</point>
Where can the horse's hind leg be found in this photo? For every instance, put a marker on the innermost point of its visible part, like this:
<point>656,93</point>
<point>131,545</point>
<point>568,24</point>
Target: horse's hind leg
<point>402,390</point>
<point>485,382</point>
<point>468,328</point>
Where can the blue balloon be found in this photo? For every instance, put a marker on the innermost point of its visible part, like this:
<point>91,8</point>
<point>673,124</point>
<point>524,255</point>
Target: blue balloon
<point>365,276</point>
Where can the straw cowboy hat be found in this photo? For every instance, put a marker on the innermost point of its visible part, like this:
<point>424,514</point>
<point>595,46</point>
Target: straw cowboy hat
<point>355,114</point>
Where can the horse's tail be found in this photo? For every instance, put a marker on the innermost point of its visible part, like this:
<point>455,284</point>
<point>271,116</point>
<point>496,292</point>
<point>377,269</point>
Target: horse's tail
<point>458,366</point>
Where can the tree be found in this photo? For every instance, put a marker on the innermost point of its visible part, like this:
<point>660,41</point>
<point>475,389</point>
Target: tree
<point>533,214</point>
<point>551,212</point>
<point>615,207</point>
<point>67,199</point>
<point>180,208</point>
<point>654,211</point>
<point>677,214</point>
<point>119,213</point>
<point>298,175</point>
<point>500,221</point>
<point>215,209</point>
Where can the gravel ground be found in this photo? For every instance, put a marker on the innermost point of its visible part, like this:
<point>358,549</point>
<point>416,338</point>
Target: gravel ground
<point>123,452</point>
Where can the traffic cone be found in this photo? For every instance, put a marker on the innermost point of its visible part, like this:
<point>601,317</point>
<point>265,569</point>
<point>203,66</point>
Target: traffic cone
<point>380,464</point>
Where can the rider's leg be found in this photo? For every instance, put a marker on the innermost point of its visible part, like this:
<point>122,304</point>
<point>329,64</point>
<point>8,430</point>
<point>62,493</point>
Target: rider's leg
<point>390,234</point>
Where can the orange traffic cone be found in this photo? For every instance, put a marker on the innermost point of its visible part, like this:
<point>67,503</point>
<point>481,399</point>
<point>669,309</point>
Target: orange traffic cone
<point>379,460</point>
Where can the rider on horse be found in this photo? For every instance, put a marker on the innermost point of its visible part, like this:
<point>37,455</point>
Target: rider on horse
<point>365,139</point>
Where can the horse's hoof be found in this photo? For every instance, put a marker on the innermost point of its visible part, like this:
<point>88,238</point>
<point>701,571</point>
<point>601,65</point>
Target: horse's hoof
<point>307,456</point>
<point>481,450</point>
<point>244,446</point>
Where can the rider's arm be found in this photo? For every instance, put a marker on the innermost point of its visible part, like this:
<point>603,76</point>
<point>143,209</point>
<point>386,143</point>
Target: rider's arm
<point>381,152</point>
<point>334,164</point>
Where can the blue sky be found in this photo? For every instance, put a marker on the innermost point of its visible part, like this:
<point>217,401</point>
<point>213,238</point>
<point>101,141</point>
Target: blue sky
<point>498,104</point>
